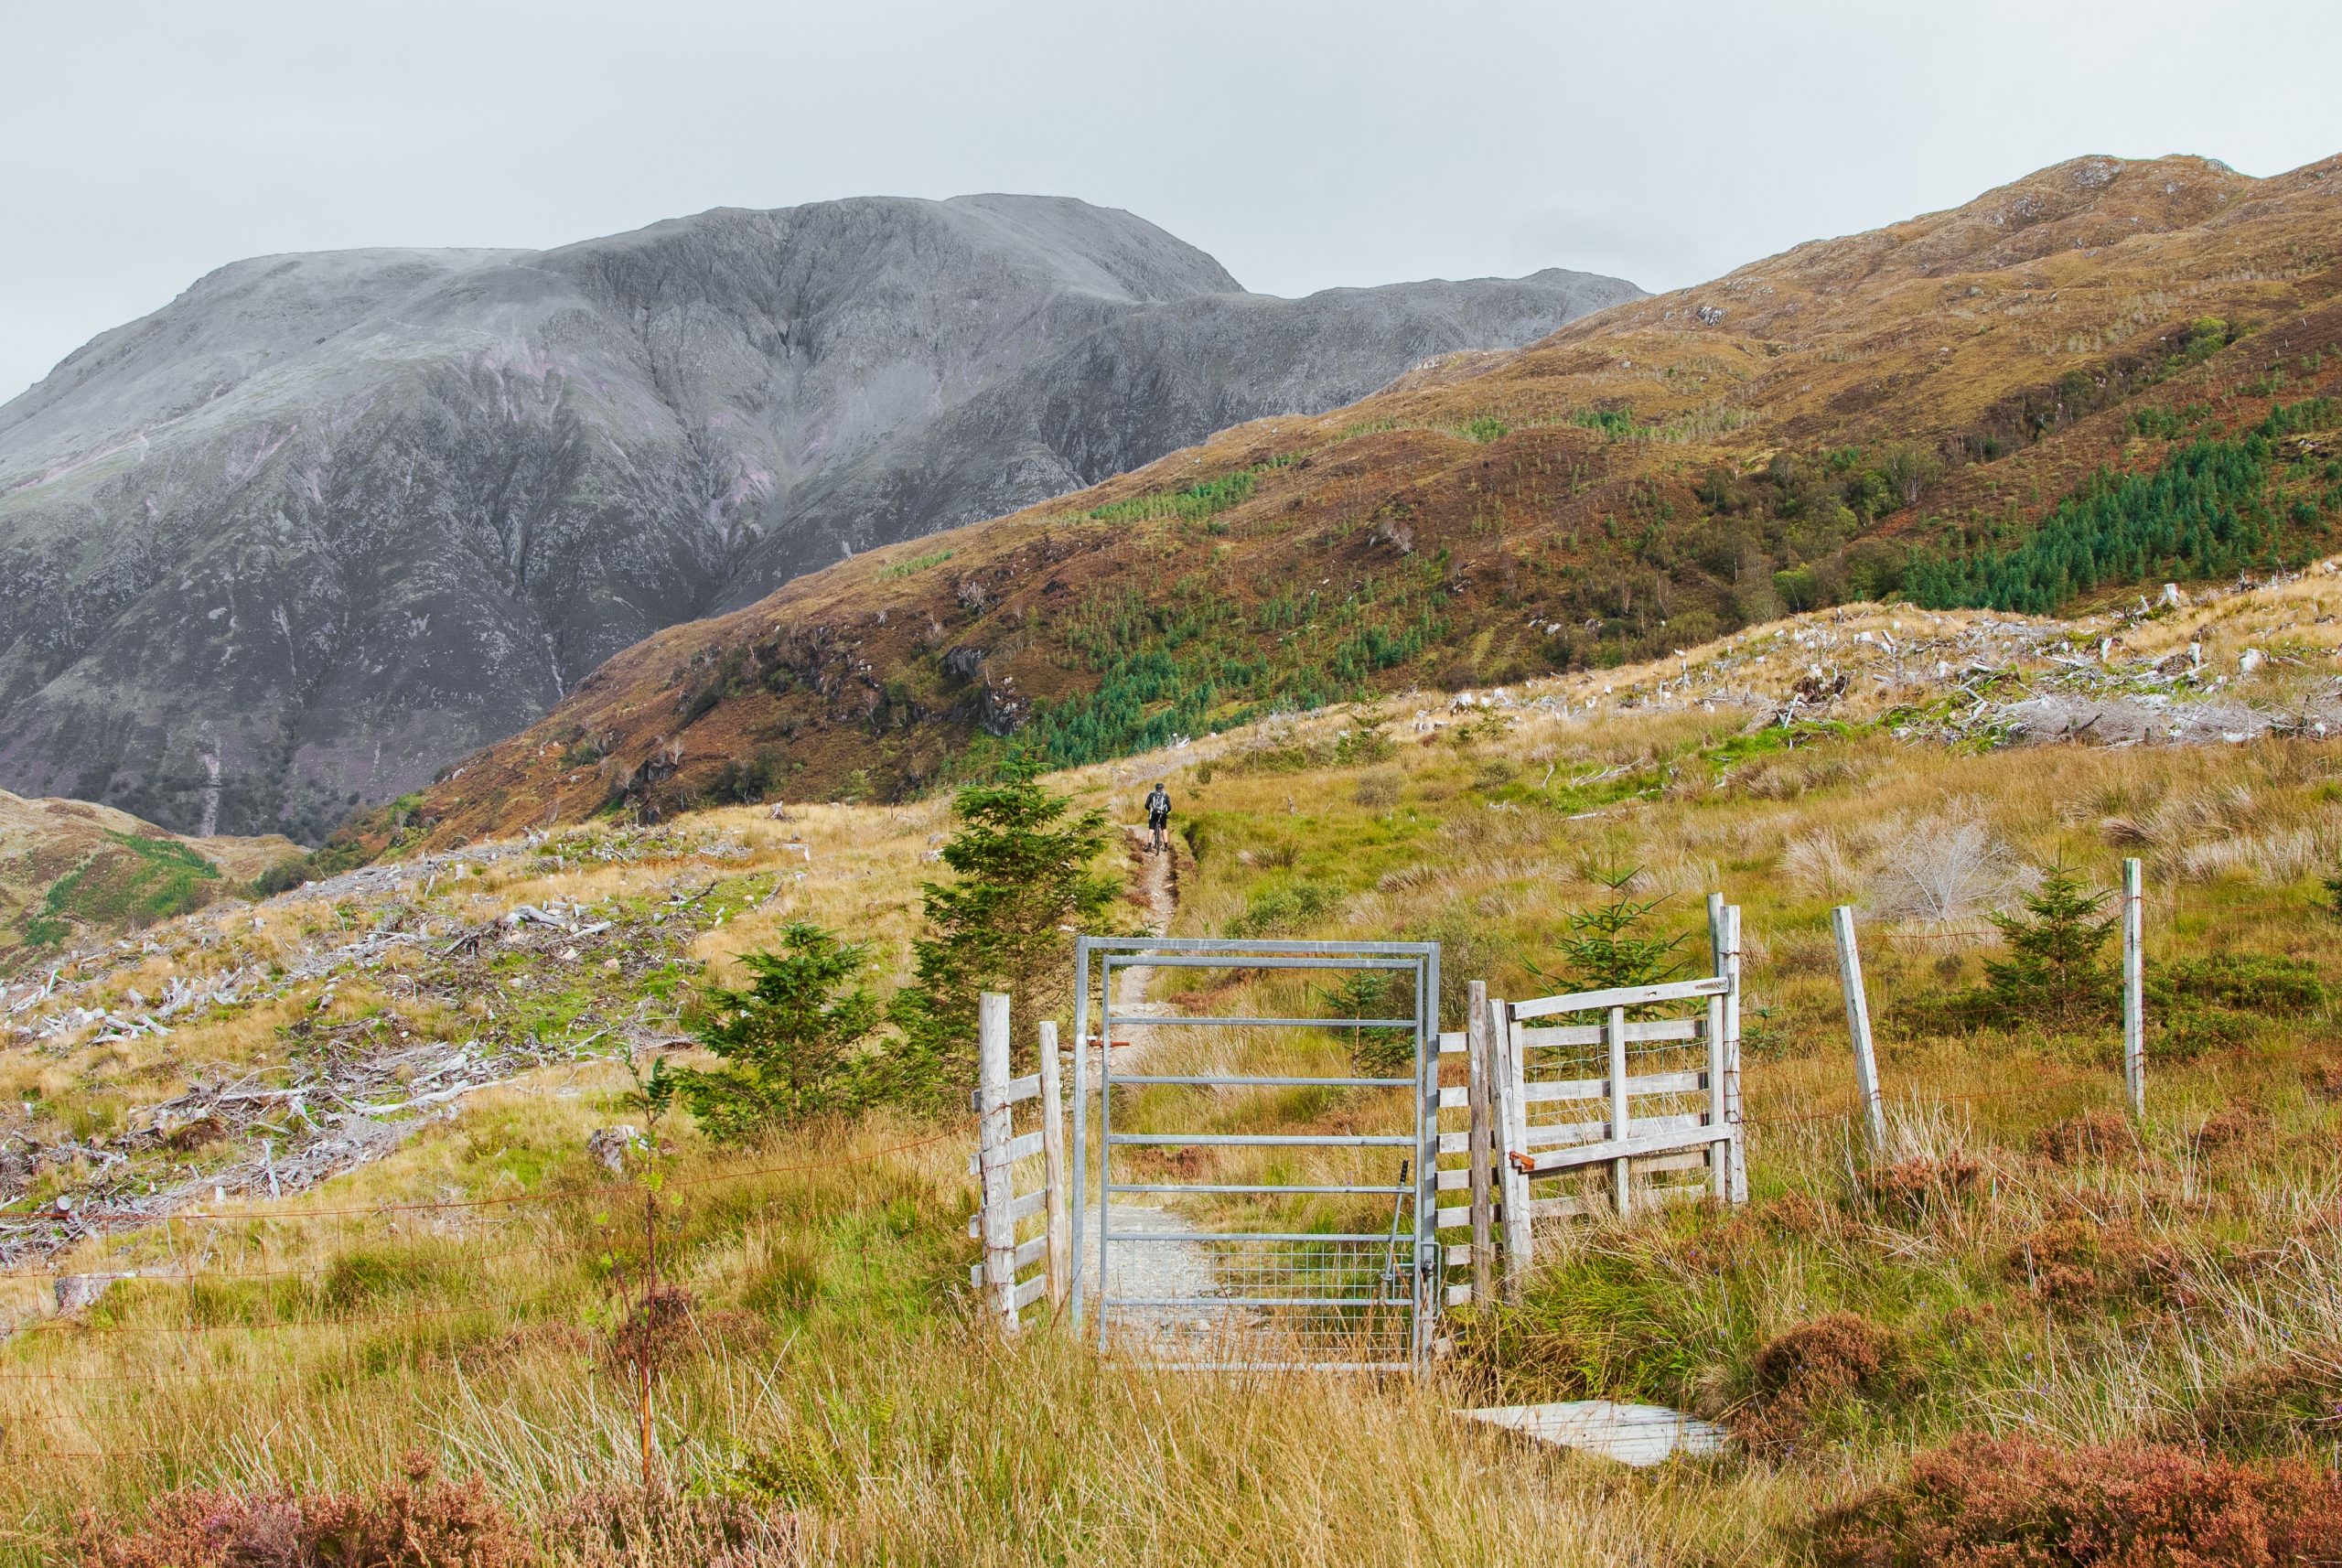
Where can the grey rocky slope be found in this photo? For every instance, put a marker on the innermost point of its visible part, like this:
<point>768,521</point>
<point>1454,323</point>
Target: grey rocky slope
<point>325,523</point>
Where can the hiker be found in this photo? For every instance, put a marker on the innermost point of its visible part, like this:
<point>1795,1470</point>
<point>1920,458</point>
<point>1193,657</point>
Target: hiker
<point>1159,816</point>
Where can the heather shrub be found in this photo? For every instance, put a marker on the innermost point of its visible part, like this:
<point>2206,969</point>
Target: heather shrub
<point>423,1521</point>
<point>2229,1127</point>
<point>656,1331</point>
<point>1802,1373</point>
<point>2287,1402</point>
<point>418,1521</point>
<point>661,1528</point>
<point>1909,1189</point>
<point>2016,1503</point>
<point>2094,1135</point>
<point>2080,1263</point>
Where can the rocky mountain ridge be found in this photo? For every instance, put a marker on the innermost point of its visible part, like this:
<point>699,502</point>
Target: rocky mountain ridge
<point>325,523</point>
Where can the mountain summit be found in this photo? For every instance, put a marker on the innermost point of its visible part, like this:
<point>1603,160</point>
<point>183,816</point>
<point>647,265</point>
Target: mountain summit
<point>325,523</point>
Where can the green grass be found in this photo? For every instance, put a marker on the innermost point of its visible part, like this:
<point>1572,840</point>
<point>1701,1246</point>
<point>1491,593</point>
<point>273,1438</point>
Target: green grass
<point>1617,423</point>
<point>1193,503</point>
<point>900,569</point>
<point>142,881</point>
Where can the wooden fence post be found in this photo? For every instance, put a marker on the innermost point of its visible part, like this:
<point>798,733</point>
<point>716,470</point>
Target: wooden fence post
<point>1512,1127</point>
<point>1053,1158</point>
<point>2134,1018</point>
<point>1849,977</point>
<point>1723,947</point>
<point>993,1126</point>
<point>1614,1037</point>
<point>1731,972</point>
<point>1480,1143</point>
<point>1719,1155</point>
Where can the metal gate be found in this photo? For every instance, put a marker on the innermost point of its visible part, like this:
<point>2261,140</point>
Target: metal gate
<point>1224,1229</point>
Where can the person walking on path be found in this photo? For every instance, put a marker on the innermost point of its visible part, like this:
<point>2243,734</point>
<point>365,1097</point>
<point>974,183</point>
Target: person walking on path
<point>1158,817</point>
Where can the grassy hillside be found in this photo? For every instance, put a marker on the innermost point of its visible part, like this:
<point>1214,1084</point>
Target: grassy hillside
<point>2108,374</point>
<point>2021,1263</point>
<point>71,873</point>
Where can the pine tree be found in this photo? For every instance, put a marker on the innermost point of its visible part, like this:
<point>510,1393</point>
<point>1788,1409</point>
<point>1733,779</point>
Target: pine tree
<point>789,1044</point>
<point>2053,973</point>
<point>1021,860</point>
<point>1603,946</point>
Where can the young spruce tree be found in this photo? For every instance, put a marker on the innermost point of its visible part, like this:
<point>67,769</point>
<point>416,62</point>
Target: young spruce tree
<point>788,1045</point>
<point>1607,945</point>
<point>2054,973</point>
<point>1021,860</point>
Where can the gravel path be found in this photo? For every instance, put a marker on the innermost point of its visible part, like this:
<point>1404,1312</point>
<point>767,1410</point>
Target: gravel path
<point>1149,1269</point>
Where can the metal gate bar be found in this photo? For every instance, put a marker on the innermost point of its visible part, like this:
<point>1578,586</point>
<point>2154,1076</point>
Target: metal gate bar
<point>1347,1291</point>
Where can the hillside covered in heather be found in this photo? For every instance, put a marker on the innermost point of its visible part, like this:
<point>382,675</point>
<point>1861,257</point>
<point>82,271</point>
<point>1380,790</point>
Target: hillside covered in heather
<point>2106,374</point>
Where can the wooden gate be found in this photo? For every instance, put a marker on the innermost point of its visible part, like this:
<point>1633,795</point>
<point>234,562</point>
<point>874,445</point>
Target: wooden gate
<point>1596,1103</point>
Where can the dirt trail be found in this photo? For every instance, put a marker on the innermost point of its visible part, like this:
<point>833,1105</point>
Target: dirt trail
<point>1149,1270</point>
<point>1158,895</point>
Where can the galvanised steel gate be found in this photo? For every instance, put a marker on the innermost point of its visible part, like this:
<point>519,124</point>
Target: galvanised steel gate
<point>1226,1226</point>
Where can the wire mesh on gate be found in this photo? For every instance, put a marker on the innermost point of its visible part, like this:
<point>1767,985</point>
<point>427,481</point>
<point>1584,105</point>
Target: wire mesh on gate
<point>1221,1226</point>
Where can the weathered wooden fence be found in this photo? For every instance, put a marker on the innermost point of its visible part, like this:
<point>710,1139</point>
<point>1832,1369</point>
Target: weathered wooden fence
<point>1000,1152</point>
<point>1567,1119</point>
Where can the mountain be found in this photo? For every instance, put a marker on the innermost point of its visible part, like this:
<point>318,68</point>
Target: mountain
<point>325,523</point>
<point>2108,373</point>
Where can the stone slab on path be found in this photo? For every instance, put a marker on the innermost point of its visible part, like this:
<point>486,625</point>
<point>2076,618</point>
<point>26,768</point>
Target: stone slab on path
<point>1630,1433</point>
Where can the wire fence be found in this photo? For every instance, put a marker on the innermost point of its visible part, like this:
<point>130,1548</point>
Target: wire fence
<point>150,1376</point>
<point>1356,1270</point>
<point>142,1219</point>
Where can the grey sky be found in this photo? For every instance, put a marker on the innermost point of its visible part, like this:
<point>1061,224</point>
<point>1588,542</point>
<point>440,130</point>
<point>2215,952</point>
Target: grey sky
<point>1305,144</point>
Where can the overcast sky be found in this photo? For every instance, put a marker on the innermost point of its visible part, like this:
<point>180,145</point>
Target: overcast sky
<point>1305,144</point>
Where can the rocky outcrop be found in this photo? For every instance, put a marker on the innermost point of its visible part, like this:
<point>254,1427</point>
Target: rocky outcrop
<point>327,522</point>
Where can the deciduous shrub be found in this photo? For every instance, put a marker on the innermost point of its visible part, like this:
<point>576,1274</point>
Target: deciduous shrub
<point>2209,1002</point>
<point>1284,907</point>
